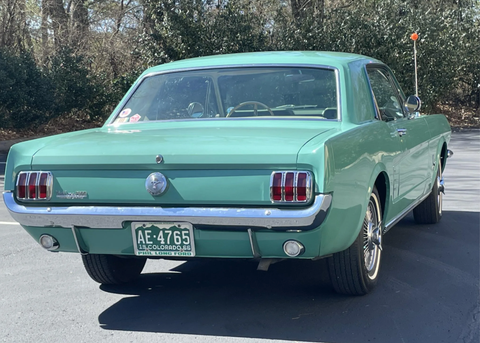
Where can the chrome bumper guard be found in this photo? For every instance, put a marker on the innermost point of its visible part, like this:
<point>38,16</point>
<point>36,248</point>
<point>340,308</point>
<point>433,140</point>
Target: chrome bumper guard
<point>109,217</point>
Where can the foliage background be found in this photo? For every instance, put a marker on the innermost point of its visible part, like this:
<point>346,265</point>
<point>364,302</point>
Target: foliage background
<point>75,59</point>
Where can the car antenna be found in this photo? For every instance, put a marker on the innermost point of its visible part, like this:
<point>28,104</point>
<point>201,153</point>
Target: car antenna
<point>414,37</point>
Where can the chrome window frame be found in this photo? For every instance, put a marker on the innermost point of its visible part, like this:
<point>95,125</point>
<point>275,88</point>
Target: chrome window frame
<point>393,82</point>
<point>128,95</point>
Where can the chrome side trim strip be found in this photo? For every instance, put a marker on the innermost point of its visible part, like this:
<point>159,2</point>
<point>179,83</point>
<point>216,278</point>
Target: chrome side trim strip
<point>395,220</point>
<point>109,217</point>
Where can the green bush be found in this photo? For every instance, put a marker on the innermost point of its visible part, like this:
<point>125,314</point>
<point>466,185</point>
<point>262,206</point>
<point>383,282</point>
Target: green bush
<point>26,95</point>
<point>76,89</point>
<point>448,47</point>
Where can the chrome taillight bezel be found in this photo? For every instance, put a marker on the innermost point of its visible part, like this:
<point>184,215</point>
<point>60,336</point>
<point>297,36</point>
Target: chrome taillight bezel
<point>308,185</point>
<point>37,174</point>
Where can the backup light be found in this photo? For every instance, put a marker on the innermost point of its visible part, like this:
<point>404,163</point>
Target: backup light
<point>48,242</point>
<point>291,186</point>
<point>35,185</point>
<point>293,248</point>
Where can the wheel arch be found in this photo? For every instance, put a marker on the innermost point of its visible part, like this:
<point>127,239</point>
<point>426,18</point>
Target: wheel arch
<point>443,156</point>
<point>382,183</point>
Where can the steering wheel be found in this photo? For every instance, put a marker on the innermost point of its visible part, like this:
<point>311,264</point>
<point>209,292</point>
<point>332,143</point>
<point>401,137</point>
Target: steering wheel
<point>255,107</point>
<point>195,109</point>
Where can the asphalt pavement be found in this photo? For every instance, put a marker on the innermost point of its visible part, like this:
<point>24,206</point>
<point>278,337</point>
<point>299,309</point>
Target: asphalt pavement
<point>428,289</point>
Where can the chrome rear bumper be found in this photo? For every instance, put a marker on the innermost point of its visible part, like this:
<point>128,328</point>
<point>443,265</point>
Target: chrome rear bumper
<point>109,217</point>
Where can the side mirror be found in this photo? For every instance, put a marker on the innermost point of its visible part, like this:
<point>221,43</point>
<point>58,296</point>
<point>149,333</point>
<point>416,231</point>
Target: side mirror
<point>413,104</point>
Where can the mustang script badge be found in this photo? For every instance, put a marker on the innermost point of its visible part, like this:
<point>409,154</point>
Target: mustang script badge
<point>156,184</point>
<point>71,195</point>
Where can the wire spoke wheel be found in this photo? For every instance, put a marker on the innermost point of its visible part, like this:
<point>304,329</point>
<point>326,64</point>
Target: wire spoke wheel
<point>429,211</point>
<point>372,237</point>
<point>354,271</point>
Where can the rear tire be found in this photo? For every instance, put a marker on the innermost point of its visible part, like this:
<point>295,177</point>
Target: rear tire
<point>429,211</point>
<point>355,271</point>
<point>113,270</point>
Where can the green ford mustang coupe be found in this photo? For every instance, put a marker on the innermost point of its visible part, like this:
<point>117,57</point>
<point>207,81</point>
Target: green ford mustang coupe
<point>263,156</point>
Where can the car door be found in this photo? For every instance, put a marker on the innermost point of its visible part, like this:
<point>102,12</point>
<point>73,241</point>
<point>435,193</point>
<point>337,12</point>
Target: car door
<point>412,167</point>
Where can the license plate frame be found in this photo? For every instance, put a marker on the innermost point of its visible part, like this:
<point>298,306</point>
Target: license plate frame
<point>159,239</point>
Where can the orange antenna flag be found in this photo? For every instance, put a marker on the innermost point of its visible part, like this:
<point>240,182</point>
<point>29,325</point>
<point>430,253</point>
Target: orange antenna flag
<point>414,36</point>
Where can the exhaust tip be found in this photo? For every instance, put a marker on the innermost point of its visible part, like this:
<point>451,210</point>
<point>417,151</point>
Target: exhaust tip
<point>49,242</point>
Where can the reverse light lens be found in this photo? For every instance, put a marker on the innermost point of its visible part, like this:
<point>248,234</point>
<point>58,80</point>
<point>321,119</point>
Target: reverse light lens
<point>293,248</point>
<point>49,242</point>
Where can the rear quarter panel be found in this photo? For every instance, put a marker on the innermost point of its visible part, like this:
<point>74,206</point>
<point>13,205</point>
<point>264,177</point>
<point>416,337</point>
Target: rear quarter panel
<point>440,133</point>
<point>355,159</point>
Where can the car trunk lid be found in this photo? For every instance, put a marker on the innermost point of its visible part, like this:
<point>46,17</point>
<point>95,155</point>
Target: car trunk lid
<point>211,164</point>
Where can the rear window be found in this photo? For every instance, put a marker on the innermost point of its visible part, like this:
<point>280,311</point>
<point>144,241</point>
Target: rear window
<point>232,93</point>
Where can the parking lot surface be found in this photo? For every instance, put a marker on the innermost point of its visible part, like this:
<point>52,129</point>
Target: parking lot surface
<point>428,289</point>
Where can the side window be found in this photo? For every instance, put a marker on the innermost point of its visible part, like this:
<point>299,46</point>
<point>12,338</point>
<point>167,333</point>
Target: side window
<point>386,96</point>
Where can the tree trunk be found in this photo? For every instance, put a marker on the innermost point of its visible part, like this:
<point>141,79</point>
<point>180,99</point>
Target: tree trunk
<point>79,15</point>
<point>59,23</point>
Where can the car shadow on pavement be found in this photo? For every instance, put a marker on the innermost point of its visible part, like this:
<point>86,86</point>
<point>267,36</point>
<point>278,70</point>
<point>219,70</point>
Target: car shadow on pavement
<point>428,291</point>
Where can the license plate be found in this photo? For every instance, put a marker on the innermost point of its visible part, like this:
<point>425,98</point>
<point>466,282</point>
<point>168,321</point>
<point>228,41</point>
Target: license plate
<point>163,239</point>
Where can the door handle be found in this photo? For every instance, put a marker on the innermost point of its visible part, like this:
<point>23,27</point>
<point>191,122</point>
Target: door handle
<point>402,132</point>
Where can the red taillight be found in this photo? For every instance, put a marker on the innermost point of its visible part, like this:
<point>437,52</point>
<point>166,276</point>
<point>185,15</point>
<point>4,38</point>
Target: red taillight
<point>291,186</point>
<point>42,186</point>
<point>32,186</point>
<point>22,186</point>
<point>289,181</point>
<point>302,186</point>
<point>277,187</point>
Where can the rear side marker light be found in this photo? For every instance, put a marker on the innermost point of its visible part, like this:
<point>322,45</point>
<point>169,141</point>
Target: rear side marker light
<point>34,185</point>
<point>291,186</point>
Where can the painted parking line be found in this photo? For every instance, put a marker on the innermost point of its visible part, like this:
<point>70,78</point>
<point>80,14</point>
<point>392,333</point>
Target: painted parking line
<point>9,223</point>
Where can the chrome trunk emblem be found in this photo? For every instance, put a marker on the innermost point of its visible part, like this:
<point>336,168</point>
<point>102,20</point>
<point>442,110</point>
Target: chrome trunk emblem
<point>156,184</point>
<point>71,195</point>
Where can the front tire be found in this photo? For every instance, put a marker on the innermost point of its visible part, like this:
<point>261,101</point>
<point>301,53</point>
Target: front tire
<point>113,270</point>
<point>355,271</point>
<point>429,211</point>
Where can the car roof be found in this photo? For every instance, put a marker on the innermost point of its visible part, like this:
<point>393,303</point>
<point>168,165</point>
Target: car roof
<point>334,59</point>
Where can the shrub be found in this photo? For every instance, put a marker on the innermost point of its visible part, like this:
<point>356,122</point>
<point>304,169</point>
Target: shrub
<point>26,95</point>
